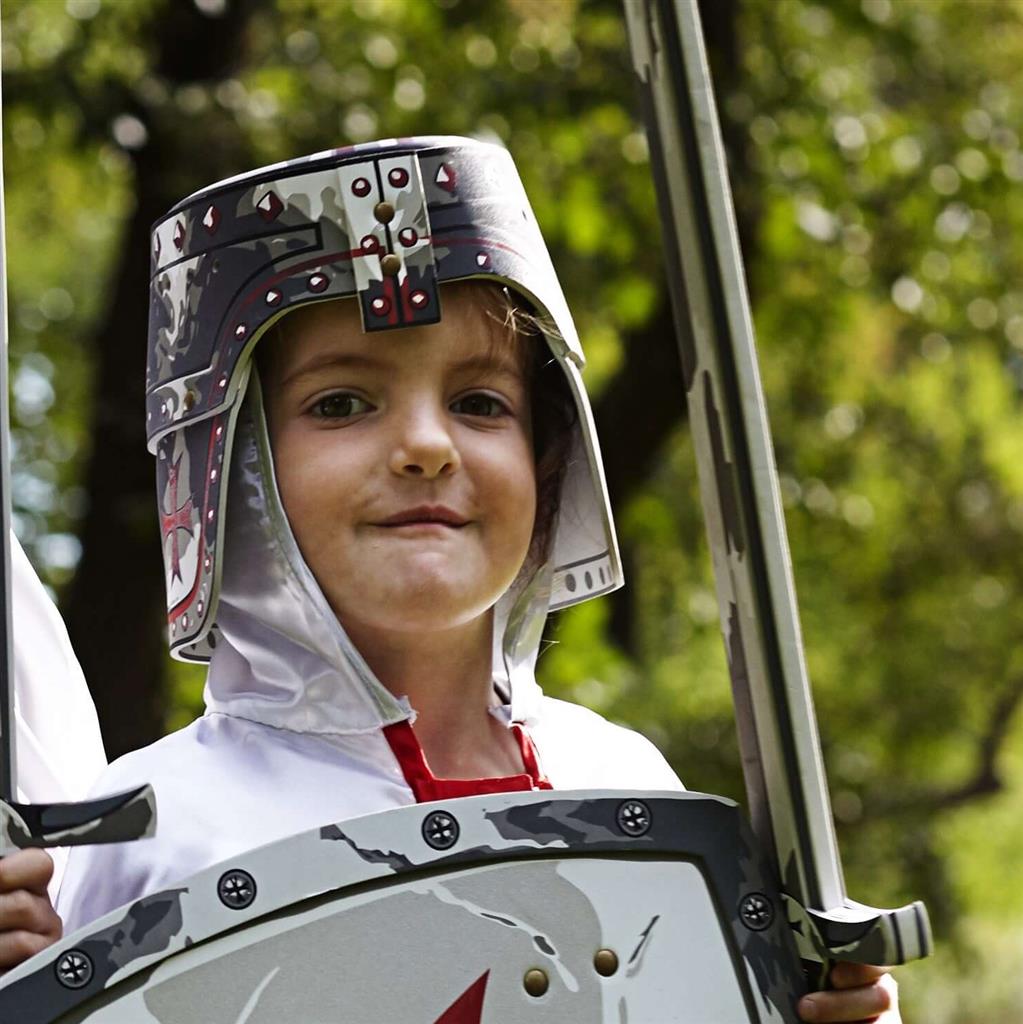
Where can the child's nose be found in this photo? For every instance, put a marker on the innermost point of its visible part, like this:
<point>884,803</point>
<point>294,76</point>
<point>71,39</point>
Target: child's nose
<point>425,447</point>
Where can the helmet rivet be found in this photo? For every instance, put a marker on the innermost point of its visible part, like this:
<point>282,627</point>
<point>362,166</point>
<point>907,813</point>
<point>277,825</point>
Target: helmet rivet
<point>390,264</point>
<point>536,982</point>
<point>605,962</point>
<point>384,212</point>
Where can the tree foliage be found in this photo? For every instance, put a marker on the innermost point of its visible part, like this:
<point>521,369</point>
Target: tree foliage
<point>876,167</point>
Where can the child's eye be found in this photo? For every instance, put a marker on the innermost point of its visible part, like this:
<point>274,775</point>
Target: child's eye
<point>340,406</point>
<point>479,404</point>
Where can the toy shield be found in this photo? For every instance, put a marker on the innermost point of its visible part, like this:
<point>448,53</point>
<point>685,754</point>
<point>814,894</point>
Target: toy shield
<point>499,909</point>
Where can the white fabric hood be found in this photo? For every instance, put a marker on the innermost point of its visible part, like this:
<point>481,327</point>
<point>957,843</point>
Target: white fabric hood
<point>280,656</point>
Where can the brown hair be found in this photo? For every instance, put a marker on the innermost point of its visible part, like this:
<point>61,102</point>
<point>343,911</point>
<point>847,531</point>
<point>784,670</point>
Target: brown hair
<point>552,407</point>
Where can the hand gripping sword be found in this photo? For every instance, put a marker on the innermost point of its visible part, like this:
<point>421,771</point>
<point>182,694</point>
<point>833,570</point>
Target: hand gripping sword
<point>778,741</point>
<point>112,819</point>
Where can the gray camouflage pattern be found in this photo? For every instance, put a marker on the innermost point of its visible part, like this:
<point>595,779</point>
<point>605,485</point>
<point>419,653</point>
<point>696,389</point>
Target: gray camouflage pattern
<point>529,883</point>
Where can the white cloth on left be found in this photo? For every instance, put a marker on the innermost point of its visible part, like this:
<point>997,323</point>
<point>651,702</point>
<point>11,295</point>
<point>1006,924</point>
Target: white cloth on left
<point>57,736</point>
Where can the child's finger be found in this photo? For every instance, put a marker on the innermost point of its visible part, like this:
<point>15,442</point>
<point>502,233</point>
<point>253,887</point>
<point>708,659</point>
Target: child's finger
<point>26,911</point>
<point>849,975</point>
<point>852,1004</point>
<point>26,869</point>
<point>18,946</point>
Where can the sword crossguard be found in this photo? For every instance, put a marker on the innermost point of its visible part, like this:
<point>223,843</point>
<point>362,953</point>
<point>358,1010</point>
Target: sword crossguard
<point>112,819</point>
<point>861,934</point>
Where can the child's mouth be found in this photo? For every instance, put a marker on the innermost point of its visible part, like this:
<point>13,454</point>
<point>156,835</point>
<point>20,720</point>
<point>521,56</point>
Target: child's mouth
<point>425,515</point>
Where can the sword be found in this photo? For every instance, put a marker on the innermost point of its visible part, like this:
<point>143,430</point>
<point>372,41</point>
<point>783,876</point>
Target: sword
<point>118,818</point>
<point>781,757</point>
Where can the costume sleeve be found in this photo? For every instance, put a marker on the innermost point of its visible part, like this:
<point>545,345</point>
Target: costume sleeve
<point>59,748</point>
<point>96,880</point>
<point>579,749</point>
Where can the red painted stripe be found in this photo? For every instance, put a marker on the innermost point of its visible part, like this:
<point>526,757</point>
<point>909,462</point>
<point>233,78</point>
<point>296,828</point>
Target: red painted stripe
<point>259,290</point>
<point>442,240</point>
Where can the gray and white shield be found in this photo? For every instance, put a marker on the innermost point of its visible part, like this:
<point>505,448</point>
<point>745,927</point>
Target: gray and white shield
<point>500,909</point>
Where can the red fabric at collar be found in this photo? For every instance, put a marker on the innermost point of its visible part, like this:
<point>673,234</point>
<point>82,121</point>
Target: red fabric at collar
<point>426,786</point>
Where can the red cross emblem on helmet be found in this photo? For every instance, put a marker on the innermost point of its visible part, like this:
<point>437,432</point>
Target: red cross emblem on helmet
<point>176,518</point>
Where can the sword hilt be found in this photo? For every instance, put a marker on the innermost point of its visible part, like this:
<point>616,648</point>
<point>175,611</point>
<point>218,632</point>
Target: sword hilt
<point>861,934</point>
<point>111,819</point>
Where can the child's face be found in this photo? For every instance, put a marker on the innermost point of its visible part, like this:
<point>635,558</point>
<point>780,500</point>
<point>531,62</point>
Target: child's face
<point>404,461</point>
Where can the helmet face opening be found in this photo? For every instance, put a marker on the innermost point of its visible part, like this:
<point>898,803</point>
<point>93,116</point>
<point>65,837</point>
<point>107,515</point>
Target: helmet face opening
<point>386,223</point>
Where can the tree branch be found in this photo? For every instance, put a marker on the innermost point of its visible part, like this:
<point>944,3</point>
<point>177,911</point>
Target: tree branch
<point>985,780</point>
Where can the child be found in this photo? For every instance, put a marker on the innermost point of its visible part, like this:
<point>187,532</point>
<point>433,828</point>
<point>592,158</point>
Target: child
<point>403,507</point>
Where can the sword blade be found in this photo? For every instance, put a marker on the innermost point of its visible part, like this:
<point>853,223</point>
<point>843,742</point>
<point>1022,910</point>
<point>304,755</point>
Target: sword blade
<point>8,762</point>
<point>779,744</point>
<point>738,483</point>
<point>117,818</point>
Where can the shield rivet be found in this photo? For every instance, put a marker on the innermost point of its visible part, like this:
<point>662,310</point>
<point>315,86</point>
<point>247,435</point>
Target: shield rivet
<point>756,911</point>
<point>384,212</point>
<point>390,264</point>
<point>536,982</point>
<point>634,818</point>
<point>605,962</point>
<point>74,969</point>
<point>236,889</point>
<point>440,830</point>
